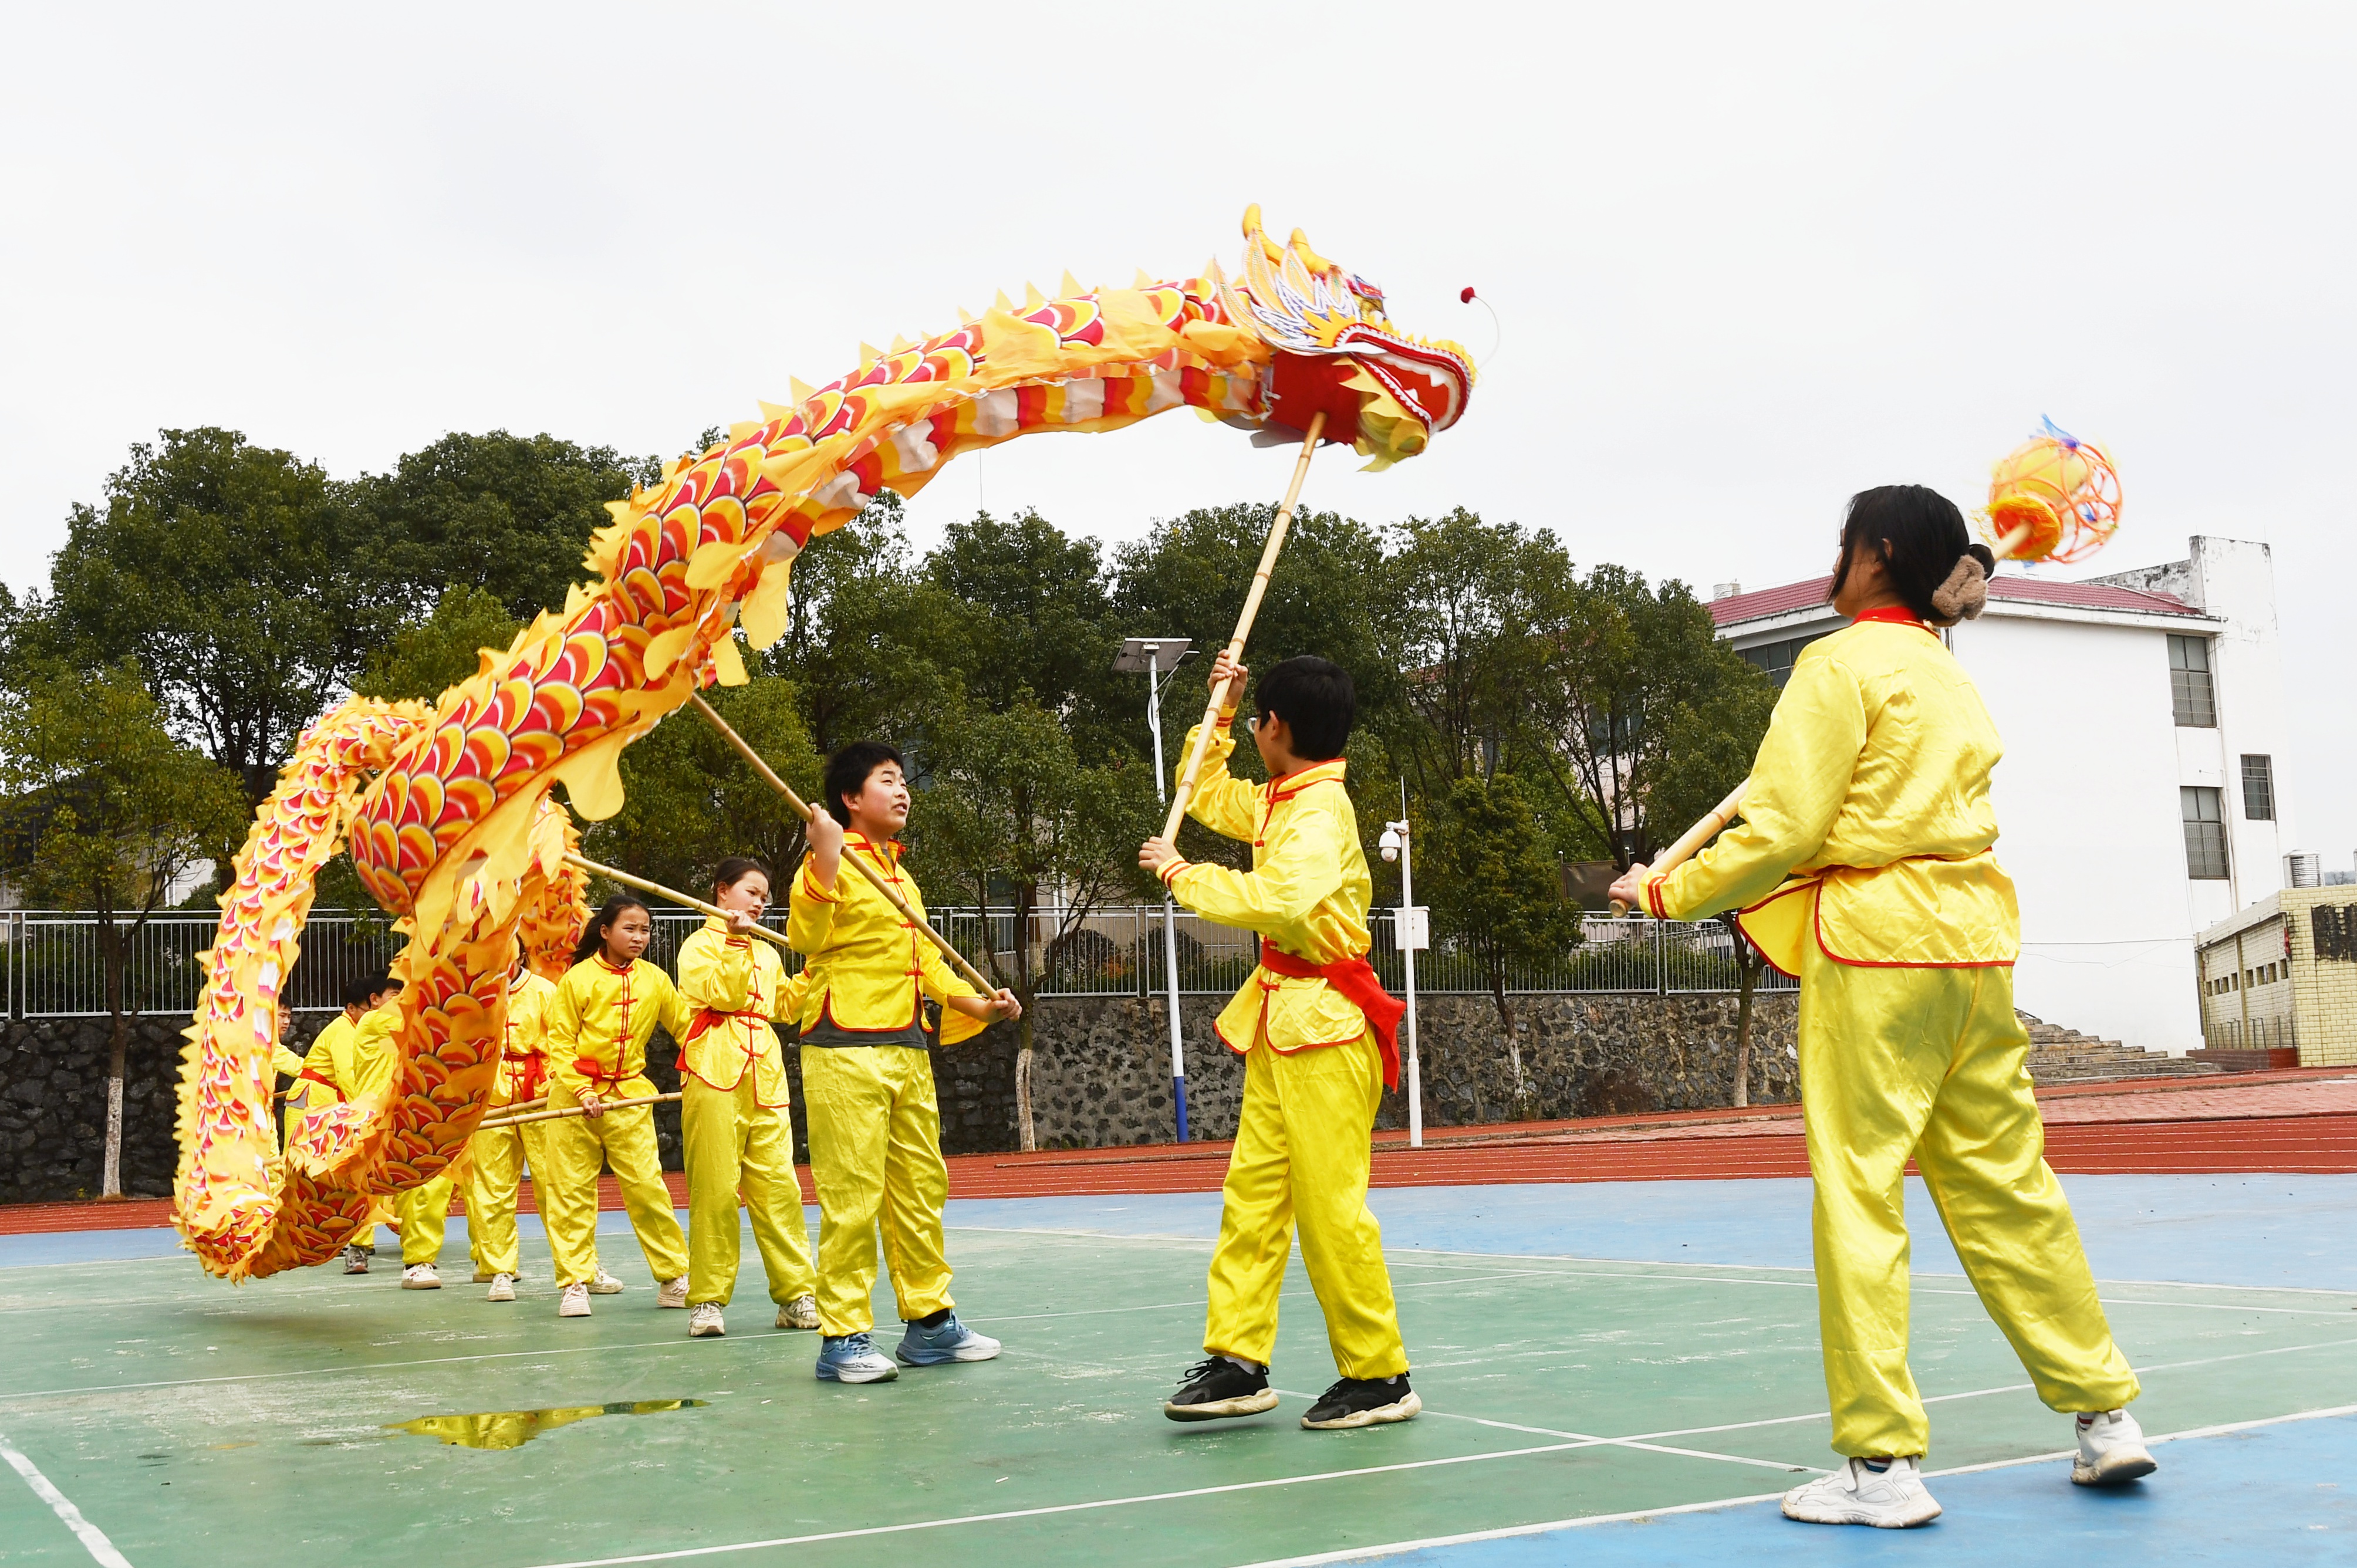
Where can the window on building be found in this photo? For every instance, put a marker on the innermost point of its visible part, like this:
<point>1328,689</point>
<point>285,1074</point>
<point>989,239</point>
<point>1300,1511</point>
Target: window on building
<point>2258,788</point>
<point>2205,832</point>
<point>1776,657</point>
<point>2189,691</point>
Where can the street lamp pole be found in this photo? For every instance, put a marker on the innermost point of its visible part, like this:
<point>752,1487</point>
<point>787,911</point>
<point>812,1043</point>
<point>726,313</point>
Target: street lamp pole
<point>1150,654</point>
<point>1412,932</point>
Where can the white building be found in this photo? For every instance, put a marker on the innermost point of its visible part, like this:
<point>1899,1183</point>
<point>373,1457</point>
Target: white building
<point>2139,796</point>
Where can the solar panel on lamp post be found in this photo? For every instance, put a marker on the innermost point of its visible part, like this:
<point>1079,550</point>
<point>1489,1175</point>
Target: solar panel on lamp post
<point>1156,658</point>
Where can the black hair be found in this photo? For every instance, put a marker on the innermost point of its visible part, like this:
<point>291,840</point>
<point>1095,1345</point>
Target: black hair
<point>362,991</point>
<point>593,934</point>
<point>847,771</point>
<point>735,869</point>
<point>1314,698</point>
<point>1925,545</point>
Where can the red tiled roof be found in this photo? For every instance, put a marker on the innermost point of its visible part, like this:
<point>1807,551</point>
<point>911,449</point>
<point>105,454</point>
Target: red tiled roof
<point>1792,597</point>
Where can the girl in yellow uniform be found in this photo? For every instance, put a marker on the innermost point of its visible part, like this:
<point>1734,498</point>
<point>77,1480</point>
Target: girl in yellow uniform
<point>733,1120</point>
<point>501,1154</point>
<point>875,1124</point>
<point>1863,864</point>
<point>352,1055</point>
<point>1315,1028</point>
<point>599,1019</point>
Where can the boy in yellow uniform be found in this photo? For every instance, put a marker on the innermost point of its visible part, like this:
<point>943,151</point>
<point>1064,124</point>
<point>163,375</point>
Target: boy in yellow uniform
<point>498,1156</point>
<point>351,1055</point>
<point>1315,1029</point>
<point>735,1123</point>
<point>875,1124</point>
<point>599,1019</point>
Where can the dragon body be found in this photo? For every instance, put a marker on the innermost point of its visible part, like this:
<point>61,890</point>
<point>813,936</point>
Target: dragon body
<point>448,812</point>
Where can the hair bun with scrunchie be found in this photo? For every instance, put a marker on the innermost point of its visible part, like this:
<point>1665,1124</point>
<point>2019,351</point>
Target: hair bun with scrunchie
<point>1965,594</point>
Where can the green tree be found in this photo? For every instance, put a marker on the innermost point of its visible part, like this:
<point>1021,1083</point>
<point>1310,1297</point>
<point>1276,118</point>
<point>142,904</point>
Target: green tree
<point>1014,818</point>
<point>108,811</point>
<point>1629,682</point>
<point>1467,597</point>
<point>690,801</point>
<point>426,659</point>
<point>1034,621</point>
<point>510,515</point>
<point>225,570</point>
<point>1496,889</point>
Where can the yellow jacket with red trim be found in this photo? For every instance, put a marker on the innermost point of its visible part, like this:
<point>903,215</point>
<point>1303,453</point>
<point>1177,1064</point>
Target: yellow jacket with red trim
<point>736,986</point>
<point>605,1015</point>
<point>523,1040</point>
<point>867,970</point>
<point>347,1060</point>
<point>1307,893</point>
<point>1866,827</point>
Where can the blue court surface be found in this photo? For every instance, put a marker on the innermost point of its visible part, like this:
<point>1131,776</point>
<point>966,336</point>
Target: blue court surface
<point>1613,1373</point>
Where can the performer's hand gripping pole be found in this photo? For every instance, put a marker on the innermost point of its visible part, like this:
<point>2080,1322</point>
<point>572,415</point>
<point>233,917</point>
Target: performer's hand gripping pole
<point>802,809</point>
<point>1277,533</point>
<point>1695,837</point>
<point>660,891</point>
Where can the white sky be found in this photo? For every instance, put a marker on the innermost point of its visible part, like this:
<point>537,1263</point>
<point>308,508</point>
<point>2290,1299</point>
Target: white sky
<point>1750,259</point>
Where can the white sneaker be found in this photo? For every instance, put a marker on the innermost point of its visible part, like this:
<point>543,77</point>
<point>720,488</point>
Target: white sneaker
<point>799,1313</point>
<point>603,1283</point>
<point>673,1292</point>
<point>1888,1500</point>
<point>2111,1450</point>
<point>704,1321</point>
<point>420,1277</point>
<point>574,1302</point>
<point>484,1276</point>
<point>503,1288</point>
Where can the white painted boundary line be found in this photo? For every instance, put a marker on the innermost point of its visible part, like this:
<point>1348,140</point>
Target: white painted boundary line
<point>94,1538</point>
<point>1394,1548</point>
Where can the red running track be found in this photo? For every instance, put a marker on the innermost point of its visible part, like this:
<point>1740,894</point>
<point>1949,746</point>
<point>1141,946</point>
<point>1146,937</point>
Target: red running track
<point>2302,1123</point>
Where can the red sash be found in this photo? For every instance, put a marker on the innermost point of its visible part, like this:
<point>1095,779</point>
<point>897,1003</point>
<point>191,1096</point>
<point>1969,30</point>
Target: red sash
<point>1355,979</point>
<point>527,1083</point>
<point>598,1073</point>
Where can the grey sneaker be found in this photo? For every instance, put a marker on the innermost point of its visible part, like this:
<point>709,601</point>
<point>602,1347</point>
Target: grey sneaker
<point>948,1340</point>
<point>1892,1498</point>
<point>356,1259</point>
<point>853,1359</point>
<point>2111,1450</point>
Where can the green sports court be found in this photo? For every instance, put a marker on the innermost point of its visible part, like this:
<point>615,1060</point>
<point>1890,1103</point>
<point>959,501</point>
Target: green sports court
<point>1618,1372</point>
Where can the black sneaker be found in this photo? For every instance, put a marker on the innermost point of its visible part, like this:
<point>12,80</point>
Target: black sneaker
<point>1363,1402</point>
<point>1216,1388</point>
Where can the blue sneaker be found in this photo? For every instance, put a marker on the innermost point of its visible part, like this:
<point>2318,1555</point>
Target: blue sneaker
<point>950,1341</point>
<point>853,1358</point>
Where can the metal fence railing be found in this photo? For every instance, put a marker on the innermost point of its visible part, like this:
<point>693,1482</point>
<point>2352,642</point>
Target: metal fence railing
<point>53,968</point>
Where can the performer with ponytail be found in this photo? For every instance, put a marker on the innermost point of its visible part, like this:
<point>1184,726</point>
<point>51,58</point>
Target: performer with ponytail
<point>734,1120</point>
<point>599,1019</point>
<point>1863,864</point>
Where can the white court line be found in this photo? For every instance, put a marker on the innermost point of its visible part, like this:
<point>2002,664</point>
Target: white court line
<point>94,1540</point>
<point>1392,1549</point>
<point>1589,1437</point>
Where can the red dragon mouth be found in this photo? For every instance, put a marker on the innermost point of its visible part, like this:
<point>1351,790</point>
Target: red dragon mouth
<point>1430,382</point>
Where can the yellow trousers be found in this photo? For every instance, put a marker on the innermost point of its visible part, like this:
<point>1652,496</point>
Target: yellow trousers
<point>499,1157</point>
<point>576,1149</point>
<point>1301,1156</point>
<point>424,1216</point>
<point>1929,1062</point>
<point>875,1158</point>
<point>735,1144</point>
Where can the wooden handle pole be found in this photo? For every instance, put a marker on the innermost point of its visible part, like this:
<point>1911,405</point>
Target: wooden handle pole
<point>803,807</point>
<point>1277,533</point>
<point>660,891</point>
<point>1697,836</point>
<point>577,1110</point>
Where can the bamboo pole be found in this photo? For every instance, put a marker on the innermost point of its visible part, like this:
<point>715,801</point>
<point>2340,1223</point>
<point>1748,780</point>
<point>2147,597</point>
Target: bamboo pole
<point>660,891</point>
<point>578,1110</point>
<point>1695,837</point>
<point>1277,533</point>
<point>875,879</point>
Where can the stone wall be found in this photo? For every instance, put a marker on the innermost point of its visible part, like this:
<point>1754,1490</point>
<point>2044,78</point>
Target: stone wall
<point>1101,1075</point>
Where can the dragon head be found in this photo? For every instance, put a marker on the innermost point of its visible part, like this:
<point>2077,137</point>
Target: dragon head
<point>1336,351</point>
